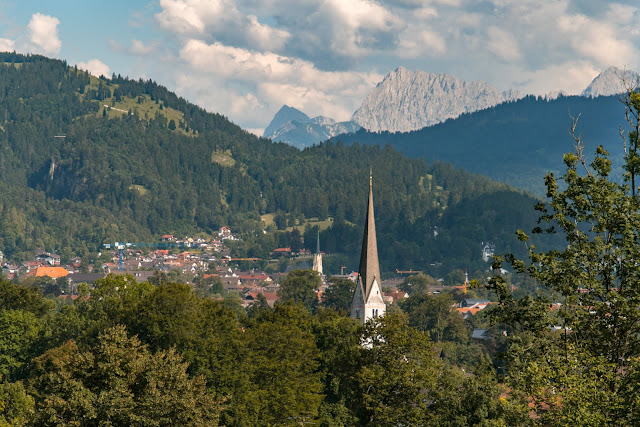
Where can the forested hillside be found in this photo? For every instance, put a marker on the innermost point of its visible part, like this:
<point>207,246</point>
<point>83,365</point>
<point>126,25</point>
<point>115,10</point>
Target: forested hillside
<point>84,161</point>
<point>515,142</point>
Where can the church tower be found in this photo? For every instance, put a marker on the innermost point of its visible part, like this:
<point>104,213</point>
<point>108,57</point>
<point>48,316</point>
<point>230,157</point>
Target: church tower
<point>317,258</point>
<point>367,300</point>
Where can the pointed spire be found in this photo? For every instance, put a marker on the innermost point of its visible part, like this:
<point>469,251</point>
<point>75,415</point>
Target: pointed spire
<point>369,266</point>
<point>318,246</point>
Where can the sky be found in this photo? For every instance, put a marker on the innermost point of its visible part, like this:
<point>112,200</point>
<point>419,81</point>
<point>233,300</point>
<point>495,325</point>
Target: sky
<point>245,59</point>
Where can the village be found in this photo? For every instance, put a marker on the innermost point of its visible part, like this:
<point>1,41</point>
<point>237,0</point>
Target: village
<point>206,261</point>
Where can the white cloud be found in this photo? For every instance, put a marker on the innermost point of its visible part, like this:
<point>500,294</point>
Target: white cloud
<point>413,45</point>
<point>263,82</point>
<point>245,58</point>
<point>95,67</point>
<point>239,63</point>
<point>571,76</point>
<point>218,20</point>
<point>502,44</point>
<point>7,45</point>
<point>186,17</point>
<point>139,48</point>
<point>43,33</point>
<point>256,131</point>
<point>601,42</point>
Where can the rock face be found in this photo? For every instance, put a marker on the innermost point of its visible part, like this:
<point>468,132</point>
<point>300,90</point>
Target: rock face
<point>294,127</point>
<point>408,100</point>
<point>284,115</point>
<point>611,82</point>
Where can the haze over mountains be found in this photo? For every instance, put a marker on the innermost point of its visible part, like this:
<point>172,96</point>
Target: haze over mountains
<point>294,127</point>
<point>408,100</point>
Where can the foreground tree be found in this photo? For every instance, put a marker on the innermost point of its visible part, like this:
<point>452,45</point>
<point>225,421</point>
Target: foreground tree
<point>119,382</point>
<point>301,286</point>
<point>585,368</point>
<point>339,294</point>
<point>397,371</point>
<point>282,365</point>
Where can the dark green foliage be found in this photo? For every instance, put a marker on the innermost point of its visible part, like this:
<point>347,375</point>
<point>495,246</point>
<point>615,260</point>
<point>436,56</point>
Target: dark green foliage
<point>509,142</point>
<point>16,405</point>
<point>283,369</point>
<point>19,334</point>
<point>301,286</point>
<point>435,314</point>
<point>574,349</point>
<point>157,354</point>
<point>397,365</point>
<point>17,297</point>
<point>118,381</point>
<point>417,284</point>
<point>339,294</point>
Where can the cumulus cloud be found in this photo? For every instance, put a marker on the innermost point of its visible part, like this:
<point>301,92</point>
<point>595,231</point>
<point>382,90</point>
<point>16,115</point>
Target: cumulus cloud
<point>263,82</point>
<point>43,33</point>
<point>245,58</point>
<point>95,67</point>
<point>331,33</point>
<point>414,44</point>
<point>139,48</point>
<point>601,43</point>
<point>218,20</point>
<point>7,45</point>
<point>502,44</point>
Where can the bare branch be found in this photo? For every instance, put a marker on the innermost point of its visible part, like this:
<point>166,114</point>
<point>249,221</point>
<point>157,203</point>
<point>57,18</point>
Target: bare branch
<point>579,145</point>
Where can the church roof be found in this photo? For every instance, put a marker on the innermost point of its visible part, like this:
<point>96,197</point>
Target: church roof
<point>369,268</point>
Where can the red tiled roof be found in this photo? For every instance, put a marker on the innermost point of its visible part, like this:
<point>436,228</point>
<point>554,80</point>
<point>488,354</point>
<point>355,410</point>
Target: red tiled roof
<point>54,272</point>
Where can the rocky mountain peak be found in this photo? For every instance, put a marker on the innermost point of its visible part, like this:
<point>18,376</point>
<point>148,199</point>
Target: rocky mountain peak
<point>284,115</point>
<point>611,82</point>
<point>407,100</point>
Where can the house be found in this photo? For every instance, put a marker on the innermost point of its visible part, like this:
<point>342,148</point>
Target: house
<point>252,296</point>
<point>479,334</point>
<point>53,272</point>
<point>469,302</point>
<point>168,238</point>
<point>394,296</point>
<point>488,250</point>
<point>281,251</point>
<point>139,275</point>
<point>253,279</point>
<point>471,307</point>
<point>48,258</point>
<point>89,278</point>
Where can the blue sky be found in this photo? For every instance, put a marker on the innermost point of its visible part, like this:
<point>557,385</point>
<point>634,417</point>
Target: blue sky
<point>246,58</point>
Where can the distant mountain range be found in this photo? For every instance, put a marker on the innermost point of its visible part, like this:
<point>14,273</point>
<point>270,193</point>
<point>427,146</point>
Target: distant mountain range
<point>611,82</point>
<point>294,127</point>
<point>408,100</point>
<point>516,142</point>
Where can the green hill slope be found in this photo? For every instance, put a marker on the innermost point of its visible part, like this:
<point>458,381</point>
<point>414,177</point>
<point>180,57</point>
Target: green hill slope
<point>136,161</point>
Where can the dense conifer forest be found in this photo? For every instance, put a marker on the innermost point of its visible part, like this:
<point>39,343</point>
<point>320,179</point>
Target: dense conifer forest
<point>86,160</point>
<point>514,142</point>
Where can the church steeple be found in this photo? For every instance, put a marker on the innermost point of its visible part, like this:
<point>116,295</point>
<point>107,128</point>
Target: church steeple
<point>369,268</point>
<point>317,257</point>
<point>367,300</point>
